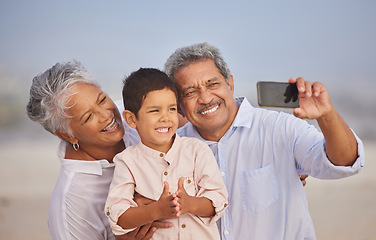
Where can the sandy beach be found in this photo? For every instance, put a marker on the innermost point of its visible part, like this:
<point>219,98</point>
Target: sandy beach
<point>341,209</point>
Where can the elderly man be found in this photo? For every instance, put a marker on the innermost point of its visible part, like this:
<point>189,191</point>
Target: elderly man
<point>258,151</point>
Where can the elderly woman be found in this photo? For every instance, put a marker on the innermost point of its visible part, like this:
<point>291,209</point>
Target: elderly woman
<point>67,102</point>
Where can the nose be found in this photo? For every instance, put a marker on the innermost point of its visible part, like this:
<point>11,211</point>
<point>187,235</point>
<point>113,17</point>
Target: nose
<point>165,116</point>
<point>104,114</point>
<point>205,96</point>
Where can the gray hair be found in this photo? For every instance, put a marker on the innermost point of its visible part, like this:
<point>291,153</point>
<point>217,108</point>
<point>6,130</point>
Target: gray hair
<point>197,52</point>
<point>50,93</point>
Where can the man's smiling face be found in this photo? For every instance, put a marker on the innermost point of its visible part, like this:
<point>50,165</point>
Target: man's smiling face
<point>206,98</point>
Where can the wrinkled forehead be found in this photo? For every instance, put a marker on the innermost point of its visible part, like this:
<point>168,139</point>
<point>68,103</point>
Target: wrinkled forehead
<point>197,73</point>
<point>82,94</point>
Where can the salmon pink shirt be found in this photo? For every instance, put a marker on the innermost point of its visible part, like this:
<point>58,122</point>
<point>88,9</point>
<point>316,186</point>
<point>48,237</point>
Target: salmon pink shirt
<point>142,169</point>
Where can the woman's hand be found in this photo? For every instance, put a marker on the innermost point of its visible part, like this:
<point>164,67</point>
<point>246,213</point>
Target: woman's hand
<point>144,232</point>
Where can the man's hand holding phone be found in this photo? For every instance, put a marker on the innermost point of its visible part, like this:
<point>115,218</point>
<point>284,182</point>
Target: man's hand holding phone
<point>313,99</point>
<point>309,100</point>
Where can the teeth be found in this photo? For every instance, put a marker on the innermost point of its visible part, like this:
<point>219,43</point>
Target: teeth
<point>110,126</point>
<point>210,110</point>
<point>162,130</point>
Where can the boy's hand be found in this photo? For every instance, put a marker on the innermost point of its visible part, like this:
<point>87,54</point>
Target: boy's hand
<point>181,198</point>
<point>166,206</point>
<point>141,200</point>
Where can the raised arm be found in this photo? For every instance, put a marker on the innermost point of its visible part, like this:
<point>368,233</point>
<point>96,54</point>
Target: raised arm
<point>341,145</point>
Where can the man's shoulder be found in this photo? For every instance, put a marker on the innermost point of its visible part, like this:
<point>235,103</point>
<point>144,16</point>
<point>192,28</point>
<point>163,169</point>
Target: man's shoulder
<point>187,130</point>
<point>193,144</point>
<point>190,140</point>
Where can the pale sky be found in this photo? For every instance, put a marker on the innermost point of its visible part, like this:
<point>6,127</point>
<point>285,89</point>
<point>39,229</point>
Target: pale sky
<point>328,41</point>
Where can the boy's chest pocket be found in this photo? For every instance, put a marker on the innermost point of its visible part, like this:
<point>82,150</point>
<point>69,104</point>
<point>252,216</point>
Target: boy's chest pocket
<point>258,188</point>
<point>190,185</point>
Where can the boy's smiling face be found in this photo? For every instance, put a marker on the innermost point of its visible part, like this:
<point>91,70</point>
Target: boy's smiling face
<point>157,119</point>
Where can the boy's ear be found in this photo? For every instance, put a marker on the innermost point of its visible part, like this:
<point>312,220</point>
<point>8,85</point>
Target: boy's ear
<point>130,118</point>
<point>65,136</point>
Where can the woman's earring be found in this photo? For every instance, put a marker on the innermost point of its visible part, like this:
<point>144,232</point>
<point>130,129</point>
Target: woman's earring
<point>76,146</point>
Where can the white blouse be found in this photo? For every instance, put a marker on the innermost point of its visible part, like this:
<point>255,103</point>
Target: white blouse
<point>77,202</point>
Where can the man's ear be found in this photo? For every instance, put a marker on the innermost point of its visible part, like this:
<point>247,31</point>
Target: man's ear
<point>231,83</point>
<point>65,136</point>
<point>130,118</point>
<point>180,111</point>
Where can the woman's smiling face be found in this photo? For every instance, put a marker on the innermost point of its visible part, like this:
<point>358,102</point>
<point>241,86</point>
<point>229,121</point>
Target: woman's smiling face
<point>95,121</point>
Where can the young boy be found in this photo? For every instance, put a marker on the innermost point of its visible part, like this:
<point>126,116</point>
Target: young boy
<point>180,174</point>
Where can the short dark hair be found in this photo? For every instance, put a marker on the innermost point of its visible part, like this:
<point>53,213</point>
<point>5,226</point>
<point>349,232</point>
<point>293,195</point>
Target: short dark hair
<point>139,83</point>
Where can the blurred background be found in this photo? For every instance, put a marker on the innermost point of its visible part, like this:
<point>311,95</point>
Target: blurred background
<point>328,41</point>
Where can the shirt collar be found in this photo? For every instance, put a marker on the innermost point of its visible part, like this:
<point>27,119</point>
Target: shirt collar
<point>169,156</point>
<point>242,119</point>
<point>90,167</point>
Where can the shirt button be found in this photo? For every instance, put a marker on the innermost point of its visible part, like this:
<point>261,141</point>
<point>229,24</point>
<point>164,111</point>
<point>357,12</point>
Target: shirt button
<point>183,225</point>
<point>161,154</point>
<point>165,173</point>
<point>226,233</point>
<point>222,174</point>
<point>189,181</point>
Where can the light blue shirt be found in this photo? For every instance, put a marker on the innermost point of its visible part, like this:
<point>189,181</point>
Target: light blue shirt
<point>260,157</point>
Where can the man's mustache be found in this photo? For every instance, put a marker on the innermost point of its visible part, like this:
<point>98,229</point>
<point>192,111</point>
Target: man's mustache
<point>209,105</point>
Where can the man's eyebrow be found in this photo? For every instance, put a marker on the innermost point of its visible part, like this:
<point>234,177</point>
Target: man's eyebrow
<point>188,88</point>
<point>213,79</point>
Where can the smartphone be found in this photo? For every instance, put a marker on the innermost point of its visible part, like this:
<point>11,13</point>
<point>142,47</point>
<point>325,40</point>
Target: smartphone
<point>277,94</point>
